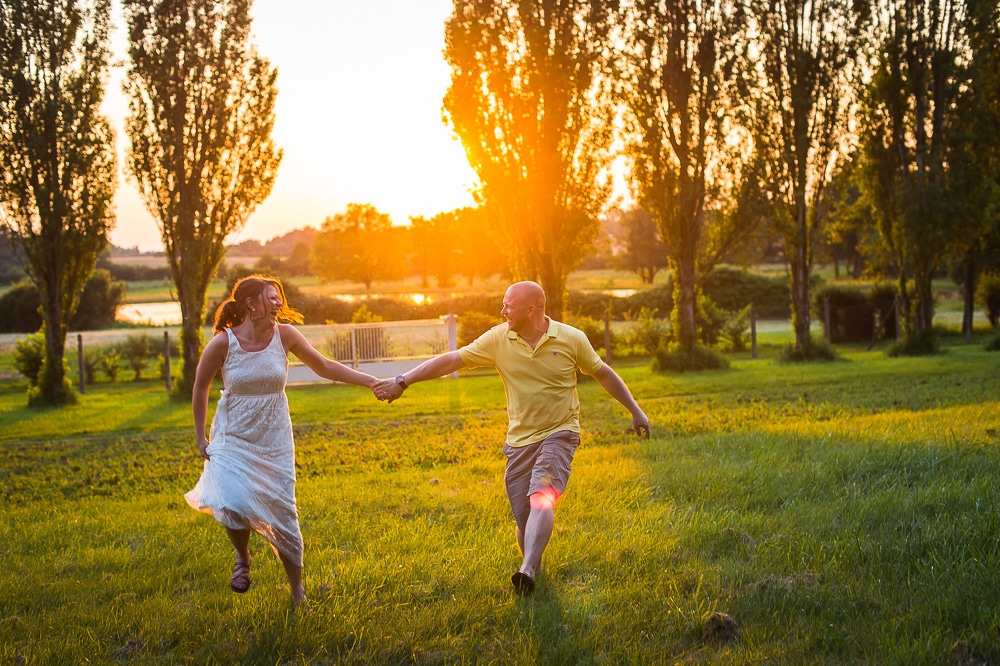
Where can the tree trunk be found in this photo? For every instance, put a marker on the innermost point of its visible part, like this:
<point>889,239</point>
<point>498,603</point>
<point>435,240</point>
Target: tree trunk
<point>924,301</point>
<point>52,379</point>
<point>801,322</point>
<point>904,307</point>
<point>686,306</point>
<point>554,285</point>
<point>192,320</point>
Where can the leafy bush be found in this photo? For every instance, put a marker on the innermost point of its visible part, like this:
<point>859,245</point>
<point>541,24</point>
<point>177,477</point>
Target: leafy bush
<point>473,324</point>
<point>592,328</point>
<point>110,363</point>
<point>328,310</point>
<point>814,350</point>
<point>657,299</point>
<point>733,289</point>
<point>675,358</point>
<point>711,319</point>
<point>136,350</point>
<point>20,306</point>
<point>91,360</point>
<point>69,396</point>
<point>99,303</point>
<point>852,316</point>
<point>735,333</point>
<point>591,304</point>
<point>29,354</point>
<point>988,295</point>
<point>364,316</point>
<point>646,333</point>
<point>919,344</point>
<point>993,344</point>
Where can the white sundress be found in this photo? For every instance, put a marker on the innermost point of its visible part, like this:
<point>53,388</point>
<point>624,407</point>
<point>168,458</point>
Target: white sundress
<point>249,481</point>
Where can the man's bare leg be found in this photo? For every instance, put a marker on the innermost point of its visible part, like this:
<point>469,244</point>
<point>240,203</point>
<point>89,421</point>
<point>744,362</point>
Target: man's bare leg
<point>537,531</point>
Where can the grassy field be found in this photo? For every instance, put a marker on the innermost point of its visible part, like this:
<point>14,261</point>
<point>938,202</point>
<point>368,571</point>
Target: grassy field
<point>847,512</point>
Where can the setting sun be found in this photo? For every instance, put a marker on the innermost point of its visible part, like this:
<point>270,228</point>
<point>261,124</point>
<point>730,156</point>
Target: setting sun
<point>358,116</point>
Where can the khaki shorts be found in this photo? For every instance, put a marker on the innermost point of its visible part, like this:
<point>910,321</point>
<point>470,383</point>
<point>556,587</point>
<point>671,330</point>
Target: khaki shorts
<point>544,464</point>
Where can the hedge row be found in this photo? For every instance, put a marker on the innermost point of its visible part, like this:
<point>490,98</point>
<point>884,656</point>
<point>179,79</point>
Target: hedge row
<point>729,289</point>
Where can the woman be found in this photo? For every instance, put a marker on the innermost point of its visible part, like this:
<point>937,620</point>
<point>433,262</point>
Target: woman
<point>248,482</point>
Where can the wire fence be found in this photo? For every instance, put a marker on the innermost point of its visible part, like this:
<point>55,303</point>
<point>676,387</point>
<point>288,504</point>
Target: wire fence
<point>353,344</point>
<point>381,348</point>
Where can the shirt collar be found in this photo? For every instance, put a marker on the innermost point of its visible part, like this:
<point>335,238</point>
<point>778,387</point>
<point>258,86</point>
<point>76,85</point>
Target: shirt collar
<point>551,332</point>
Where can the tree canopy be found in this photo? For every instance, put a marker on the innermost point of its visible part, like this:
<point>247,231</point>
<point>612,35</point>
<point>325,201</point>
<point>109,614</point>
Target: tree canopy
<point>201,112</point>
<point>359,245</point>
<point>56,157</point>
<point>800,91</point>
<point>677,79</point>
<point>526,99</point>
<point>909,141</point>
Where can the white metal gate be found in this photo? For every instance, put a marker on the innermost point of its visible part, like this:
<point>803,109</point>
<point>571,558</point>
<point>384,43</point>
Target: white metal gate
<point>379,348</point>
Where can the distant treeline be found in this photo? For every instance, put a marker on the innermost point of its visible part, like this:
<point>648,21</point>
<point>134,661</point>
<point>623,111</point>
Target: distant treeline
<point>728,289</point>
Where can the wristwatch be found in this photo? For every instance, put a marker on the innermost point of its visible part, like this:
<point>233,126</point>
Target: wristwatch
<point>401,382</point>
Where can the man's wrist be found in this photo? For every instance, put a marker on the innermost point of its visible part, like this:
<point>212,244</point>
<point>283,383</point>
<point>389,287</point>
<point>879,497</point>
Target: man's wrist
<point>402,382</point>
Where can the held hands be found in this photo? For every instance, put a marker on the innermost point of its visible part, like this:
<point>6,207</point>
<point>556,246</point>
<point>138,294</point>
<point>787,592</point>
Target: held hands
<point>387,389</point>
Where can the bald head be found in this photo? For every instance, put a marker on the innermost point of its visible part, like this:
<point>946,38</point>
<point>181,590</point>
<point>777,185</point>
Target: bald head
<point>527,293</point>
<point>524,308</point>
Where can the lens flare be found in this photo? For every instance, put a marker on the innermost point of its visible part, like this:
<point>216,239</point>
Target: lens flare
<point>546,498</point>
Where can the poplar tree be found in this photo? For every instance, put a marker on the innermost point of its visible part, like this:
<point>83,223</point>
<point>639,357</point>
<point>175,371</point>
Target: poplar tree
<point>526,100</point>
<point>911,141</point>
<point>201,112</point>
<point>807,57</point>
<point>57,159</point>
<point>677,74</point>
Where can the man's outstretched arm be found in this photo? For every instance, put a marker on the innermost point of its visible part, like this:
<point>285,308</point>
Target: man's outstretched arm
<point>439,366</point>
<point>617,389</point>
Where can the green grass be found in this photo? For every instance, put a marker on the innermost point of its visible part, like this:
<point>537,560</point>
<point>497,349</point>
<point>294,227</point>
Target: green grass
<point>845,512</point>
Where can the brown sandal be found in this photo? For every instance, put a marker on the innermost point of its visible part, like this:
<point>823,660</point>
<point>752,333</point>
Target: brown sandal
<point>240,581</point>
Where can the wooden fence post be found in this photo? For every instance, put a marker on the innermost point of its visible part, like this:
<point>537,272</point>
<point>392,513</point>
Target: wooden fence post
<point>354,348</point>
<point>79,360</point>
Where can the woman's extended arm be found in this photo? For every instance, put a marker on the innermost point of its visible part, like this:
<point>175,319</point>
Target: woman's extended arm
<point>293,340</point>
<point>212,358</point>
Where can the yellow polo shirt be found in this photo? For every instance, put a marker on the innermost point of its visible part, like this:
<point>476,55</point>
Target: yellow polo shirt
<point>540,383</point>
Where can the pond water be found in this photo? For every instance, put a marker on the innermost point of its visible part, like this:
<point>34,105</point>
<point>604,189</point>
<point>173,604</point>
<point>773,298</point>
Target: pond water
<point>154,314</point>
<point>169,313</point>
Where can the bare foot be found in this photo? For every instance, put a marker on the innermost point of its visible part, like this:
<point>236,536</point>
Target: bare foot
<point>299,600</point>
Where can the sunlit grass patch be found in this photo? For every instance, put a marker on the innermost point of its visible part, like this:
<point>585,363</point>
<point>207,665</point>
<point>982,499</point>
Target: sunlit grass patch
<point>847,513</point>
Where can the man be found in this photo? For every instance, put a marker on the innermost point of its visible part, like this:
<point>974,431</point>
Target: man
<point>537,358</point>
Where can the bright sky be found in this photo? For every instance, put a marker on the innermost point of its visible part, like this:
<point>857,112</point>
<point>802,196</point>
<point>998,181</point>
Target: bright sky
<point>358,115</point>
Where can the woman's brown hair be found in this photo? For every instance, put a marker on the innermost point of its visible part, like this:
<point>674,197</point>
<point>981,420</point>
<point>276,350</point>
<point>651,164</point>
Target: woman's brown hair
<point>233,310</point>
